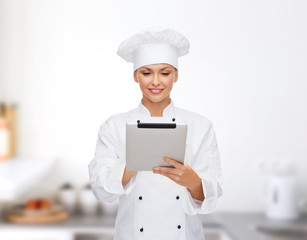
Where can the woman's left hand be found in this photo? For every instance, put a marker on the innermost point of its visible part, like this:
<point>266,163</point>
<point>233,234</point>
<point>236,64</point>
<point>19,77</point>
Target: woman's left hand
<point>182,174</point>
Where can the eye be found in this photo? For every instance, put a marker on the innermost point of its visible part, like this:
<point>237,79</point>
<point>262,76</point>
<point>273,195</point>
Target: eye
<point>165,74</point>
<point>146,73</point>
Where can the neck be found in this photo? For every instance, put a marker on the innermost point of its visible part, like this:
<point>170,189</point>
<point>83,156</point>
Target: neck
<point>156,109</point>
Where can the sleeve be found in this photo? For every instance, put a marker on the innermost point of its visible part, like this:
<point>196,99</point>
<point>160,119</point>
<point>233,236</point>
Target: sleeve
<point>107,168</point>
<point>206,163</point>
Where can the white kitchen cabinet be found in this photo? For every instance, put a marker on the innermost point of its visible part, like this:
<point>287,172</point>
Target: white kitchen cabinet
<point>56,234</point>
<point>25,234</point>
<point>81,227</point>
<point>84,234</point>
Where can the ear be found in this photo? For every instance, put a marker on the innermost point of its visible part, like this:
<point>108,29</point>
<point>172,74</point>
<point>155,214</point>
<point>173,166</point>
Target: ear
<point>176,77</point>
<point>135,77</point>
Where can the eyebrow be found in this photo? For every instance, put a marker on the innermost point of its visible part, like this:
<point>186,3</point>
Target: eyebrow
<point>161,69</point>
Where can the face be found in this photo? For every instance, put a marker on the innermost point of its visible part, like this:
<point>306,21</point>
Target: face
<point>156,81</point>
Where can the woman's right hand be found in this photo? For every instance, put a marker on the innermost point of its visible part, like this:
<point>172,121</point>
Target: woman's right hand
<point>127,176</point>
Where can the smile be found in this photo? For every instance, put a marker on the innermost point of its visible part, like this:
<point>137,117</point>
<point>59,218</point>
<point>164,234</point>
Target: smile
<point>155,90</point>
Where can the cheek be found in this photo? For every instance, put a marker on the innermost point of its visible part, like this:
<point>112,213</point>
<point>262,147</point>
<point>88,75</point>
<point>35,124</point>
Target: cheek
<point>143,83</point>
<point>145,79</point>
<point>168,82</point>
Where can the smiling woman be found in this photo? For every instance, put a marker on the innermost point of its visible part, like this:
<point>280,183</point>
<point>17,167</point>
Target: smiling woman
<point>162,203</point>
<point>156,82</point>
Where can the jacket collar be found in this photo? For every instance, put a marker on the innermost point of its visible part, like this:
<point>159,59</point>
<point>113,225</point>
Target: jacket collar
<point>168,112</point>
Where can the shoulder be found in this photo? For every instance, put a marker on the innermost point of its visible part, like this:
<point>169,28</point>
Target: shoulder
<point>199,126</point>
<point>112,121</point>
<point>116,120</point>
<point>194,118</point>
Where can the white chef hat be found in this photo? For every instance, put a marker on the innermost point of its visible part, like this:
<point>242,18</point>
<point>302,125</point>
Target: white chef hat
<point>154,45</point>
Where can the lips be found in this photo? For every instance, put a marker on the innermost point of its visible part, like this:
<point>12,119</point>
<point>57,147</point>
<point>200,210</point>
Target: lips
<point>155,90</point>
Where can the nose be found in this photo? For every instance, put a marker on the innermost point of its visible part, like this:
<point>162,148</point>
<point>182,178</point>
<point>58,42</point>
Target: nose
<point>156,80</point>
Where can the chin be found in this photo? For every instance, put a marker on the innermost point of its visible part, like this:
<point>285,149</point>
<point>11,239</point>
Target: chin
<point>156,99</point>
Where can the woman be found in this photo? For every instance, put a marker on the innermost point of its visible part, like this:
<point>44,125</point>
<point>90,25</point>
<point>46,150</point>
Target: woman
<point>163,203</point>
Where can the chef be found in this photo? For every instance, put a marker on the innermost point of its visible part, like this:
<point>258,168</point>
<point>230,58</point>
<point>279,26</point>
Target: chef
<point>164,203</point>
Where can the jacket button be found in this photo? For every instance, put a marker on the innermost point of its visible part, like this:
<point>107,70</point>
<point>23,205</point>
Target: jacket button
<point>178,226</point>
<point>141,229</point>
<point>177,197</point>
<point>140,197</point>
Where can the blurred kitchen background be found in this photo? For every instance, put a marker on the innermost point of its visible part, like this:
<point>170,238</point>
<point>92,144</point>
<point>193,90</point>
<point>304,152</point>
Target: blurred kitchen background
<point>60,78</point>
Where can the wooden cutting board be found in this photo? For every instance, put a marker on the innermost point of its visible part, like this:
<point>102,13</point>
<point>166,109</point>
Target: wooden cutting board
<point>50,217</point>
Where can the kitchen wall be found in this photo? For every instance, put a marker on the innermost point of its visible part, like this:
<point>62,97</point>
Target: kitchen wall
<point>246,71</point>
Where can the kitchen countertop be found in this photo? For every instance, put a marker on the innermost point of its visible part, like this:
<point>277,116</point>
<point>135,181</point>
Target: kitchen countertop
<point>239,226</point>
<point>242,226</point>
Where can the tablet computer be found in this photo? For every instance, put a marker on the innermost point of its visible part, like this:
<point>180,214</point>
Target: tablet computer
<point>148,143</point>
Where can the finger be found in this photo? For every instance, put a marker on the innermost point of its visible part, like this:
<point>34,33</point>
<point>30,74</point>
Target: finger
<point>173,171</point>
<point>173,162</point>
<point>175,178</point>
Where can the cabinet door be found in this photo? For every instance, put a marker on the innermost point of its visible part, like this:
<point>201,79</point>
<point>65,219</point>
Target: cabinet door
<point>34,234</point>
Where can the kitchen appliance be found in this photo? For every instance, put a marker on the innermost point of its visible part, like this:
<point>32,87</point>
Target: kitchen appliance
<point>279,189</point>
<point>281,197</point>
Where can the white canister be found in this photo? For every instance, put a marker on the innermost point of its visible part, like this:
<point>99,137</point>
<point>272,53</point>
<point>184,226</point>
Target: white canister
<point>67,198</point>
<point>88,202</point>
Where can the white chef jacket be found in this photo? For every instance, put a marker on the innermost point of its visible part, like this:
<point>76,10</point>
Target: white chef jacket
<point>151,205</point>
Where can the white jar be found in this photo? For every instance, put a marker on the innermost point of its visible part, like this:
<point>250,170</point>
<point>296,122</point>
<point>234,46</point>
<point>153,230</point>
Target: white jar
<point>88,202</point>
<point>68,199</point>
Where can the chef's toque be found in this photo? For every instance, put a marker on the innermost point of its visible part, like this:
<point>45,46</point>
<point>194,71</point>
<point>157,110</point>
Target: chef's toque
<point>154,45</point>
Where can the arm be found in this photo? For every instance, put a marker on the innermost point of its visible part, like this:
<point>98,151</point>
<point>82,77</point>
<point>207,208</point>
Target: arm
<point>127,176</point>
<point>107,169</point>
<point>197,192</point>
<point>205,160</point>
<point>202,180</point>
